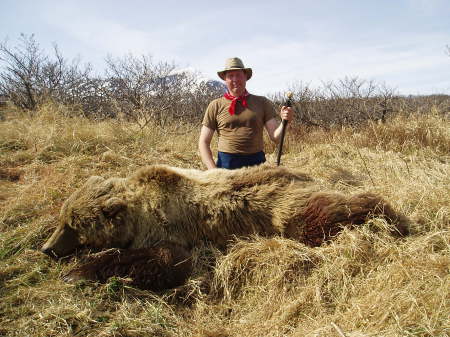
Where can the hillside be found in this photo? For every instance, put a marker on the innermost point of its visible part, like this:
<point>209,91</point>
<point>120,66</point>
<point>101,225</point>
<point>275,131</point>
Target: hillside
<point>364,283</point>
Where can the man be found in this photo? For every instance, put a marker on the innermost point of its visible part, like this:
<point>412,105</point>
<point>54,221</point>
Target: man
<point>239,119</point>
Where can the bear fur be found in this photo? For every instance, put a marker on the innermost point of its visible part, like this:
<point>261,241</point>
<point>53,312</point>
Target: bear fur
<point>156,268</point>
<point>186,207</point>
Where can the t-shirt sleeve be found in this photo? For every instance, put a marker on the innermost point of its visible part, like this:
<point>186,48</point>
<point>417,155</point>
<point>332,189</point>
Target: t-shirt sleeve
<point>210,120</point>
<point>269,111</point>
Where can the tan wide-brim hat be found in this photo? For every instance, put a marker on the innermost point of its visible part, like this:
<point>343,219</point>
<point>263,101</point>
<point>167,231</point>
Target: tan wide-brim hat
<point>235,63</point>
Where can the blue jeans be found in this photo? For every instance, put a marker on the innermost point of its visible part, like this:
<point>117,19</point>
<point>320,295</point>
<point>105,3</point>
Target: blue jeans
<point>234,161</point>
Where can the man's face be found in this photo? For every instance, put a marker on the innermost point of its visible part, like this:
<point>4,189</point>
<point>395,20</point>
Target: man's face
<point>235,81</point>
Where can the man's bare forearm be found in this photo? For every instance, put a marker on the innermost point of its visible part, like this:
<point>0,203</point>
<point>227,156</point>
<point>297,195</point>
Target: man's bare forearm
<point>206,156</point>
<point>277,133</point>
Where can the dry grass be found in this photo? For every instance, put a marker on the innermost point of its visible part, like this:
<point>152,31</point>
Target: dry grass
<point>365,283</point>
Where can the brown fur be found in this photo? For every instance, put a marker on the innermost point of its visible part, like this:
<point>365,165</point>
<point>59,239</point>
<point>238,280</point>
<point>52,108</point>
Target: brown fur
<point>186,207</point>
<point>279,175</point>
<point>325,213</point>
<point>157,268</point>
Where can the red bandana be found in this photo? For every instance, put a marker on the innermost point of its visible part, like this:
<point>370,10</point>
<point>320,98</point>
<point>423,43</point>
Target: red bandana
<point>234,100</point>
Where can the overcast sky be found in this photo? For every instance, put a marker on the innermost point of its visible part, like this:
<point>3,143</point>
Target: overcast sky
<point>400,43</point>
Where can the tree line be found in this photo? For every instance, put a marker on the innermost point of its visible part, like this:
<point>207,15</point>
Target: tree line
<point>133,87</point>
<point>141,90</point>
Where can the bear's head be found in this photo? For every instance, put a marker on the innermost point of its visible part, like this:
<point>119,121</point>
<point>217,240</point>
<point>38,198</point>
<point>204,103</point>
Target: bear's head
<point>92,216</point>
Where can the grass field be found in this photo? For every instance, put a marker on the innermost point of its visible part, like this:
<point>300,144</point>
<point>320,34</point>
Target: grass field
<point>364,283</point>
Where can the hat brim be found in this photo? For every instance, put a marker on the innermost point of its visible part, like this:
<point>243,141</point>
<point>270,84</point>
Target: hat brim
<point>247,71</point>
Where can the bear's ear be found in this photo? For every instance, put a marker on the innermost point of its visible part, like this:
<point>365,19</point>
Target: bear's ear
<point>112,206</point>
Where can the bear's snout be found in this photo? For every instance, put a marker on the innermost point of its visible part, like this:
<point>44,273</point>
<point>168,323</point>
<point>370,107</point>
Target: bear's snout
<point>62,242</point>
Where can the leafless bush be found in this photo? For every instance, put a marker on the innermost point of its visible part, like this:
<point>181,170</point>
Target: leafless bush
<point>194,99</point>
<point>94,99</point>
<point>350,101</point>
<point>353,101</point>
<point>422,104</point>
<point>144,91</point>
<point>29,77</point>
<point>135,87</point>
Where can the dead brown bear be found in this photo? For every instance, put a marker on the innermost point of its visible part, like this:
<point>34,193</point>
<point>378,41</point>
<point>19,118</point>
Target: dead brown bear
<point>187,207</point>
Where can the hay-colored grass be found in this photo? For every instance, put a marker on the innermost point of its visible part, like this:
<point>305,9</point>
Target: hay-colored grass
<point>365,283</point>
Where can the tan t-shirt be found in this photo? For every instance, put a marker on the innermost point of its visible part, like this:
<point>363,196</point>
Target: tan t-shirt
<point>243,131</point>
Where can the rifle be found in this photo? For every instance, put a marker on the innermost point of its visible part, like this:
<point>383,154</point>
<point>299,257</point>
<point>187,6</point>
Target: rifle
<point>284,122</point>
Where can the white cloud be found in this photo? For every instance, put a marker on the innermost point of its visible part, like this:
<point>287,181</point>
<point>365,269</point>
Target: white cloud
<point>308,43</point>
<point>117,38</point>
<point>276,64</point>
<point>100,34</point>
